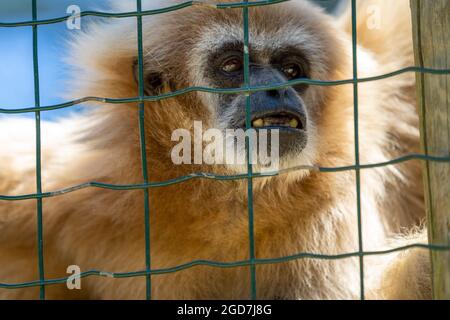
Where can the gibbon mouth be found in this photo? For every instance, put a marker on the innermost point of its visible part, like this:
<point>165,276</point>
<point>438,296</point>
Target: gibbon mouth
<point>279,120</point>
<point>291,126</point>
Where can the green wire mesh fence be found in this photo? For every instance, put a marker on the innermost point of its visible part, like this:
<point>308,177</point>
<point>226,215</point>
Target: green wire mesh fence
<point>146,185</point>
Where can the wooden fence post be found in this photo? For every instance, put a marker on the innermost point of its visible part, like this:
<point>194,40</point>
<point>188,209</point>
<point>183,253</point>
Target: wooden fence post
<point>431,33</point>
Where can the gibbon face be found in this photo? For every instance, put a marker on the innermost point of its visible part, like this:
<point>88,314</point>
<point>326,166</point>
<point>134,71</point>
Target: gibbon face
<point>204,47</point>
<point>282,109</point>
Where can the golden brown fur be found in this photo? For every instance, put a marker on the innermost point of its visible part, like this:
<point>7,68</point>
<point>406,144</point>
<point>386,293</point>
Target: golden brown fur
<point>203,219</point>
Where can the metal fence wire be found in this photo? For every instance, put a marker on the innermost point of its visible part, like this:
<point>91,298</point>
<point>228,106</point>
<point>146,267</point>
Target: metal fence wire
<point>249,176</point>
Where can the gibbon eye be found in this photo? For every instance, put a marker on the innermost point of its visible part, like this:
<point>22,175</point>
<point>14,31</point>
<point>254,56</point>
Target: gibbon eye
<point>292,71</point>
<point>232,65</point>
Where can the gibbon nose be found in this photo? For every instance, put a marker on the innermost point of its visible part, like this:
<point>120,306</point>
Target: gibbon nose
<point>275,93</point>
<point>279,108</point>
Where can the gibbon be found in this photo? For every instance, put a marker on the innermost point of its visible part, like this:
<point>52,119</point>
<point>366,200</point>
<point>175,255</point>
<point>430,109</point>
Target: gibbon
<point>203,219</point>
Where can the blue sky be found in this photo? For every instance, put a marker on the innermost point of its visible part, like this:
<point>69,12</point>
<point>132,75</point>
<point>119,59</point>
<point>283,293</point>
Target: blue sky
<point>16,60</point>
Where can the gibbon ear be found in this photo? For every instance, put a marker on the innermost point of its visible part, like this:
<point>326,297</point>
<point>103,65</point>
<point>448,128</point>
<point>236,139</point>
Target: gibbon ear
<point>153,80</point>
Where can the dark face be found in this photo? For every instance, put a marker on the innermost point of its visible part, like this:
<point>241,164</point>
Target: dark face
<point>205,49</point>
<point>281,109</point>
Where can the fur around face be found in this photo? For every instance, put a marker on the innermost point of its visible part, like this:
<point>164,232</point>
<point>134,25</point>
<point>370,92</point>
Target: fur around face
<point>305,211</point>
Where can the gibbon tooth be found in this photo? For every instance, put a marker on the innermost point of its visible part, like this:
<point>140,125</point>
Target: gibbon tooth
<point>258,123</point>
<point>293,123</point>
